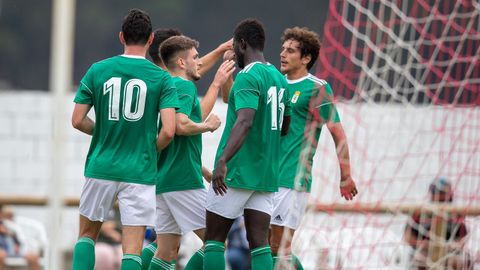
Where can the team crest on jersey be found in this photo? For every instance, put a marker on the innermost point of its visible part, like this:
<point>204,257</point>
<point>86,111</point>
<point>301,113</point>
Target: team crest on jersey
<point>295,97</point>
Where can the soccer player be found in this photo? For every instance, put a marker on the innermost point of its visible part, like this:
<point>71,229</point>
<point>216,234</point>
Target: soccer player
<point>312,107</point>
<point>181,195</point>
<point>208,60</point>
<point>127,93</point>
<point>247,161</point>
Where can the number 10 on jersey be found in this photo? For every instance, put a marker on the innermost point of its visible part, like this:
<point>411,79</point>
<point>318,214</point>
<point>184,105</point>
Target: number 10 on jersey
<point>112,88</point>
<point>275,98</point>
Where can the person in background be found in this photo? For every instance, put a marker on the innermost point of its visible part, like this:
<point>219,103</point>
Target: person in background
<point>238,252</point>
<point>418,231</point>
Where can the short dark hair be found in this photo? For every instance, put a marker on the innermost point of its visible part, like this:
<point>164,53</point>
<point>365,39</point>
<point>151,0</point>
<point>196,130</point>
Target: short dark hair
<point>159,36</point>
<point>252,31</point>
<point>171,47</point>
<point>136,27</point>
<point>308,40</point>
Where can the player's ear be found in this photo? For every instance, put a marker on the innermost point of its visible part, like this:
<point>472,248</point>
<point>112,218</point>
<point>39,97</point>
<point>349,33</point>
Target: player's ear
<point>150,39</point>
<point>122,39</point>
<point>306,59</point>
<point>180,62</point>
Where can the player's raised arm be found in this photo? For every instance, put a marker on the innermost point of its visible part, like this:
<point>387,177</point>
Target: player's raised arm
<point>80,120</point>
<point>223,74</point>
<point>212,57</point>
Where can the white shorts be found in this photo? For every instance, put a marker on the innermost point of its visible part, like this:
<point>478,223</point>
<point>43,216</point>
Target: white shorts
<point>288,207</point>
<point>136,201</point>
<point>180,212</point>
<point>232,204</point>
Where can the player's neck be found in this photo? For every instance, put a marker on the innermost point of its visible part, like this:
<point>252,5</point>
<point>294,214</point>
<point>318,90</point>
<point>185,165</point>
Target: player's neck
<point>180,73</point>
<point>254,56</point>
<point>136,50</point>
<point>297,74</point>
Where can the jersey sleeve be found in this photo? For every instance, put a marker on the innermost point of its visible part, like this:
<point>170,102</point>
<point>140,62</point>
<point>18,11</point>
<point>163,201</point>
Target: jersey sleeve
<point>245,92</point>
<point>323,104</point>
<point>168,96</point>
<point>85,89</point>
<point>186,97</point>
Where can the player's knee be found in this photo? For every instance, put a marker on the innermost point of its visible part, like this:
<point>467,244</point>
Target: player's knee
<point>257,240</point>
<point>3,256</point>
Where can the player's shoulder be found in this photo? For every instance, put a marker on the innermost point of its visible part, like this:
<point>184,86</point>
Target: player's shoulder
<point>184,85</point>
<point>317,81</point>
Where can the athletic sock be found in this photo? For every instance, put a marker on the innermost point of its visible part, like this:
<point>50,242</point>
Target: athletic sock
<point>214,256</point>
<point>84,254</point>
<point>131,262</point>
<point>172,264</point>
<point>196,261</point>
<point>159,264</point>
<point>262,258</point>
<point>147,255</point>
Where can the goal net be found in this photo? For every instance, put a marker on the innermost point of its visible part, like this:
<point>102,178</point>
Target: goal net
<point>406,79</point>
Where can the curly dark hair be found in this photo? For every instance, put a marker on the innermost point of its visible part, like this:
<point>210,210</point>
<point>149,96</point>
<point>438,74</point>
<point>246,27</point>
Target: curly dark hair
<point>171,47</point>
<point>308,40</point>
<point>159,36</point>
<point>136,27</point>
<point>252,31</point>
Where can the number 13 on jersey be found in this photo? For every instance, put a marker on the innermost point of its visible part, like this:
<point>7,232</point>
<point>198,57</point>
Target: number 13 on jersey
<point>277,107</point>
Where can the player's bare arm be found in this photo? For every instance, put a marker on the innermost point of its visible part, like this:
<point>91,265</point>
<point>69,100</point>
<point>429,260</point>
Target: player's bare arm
<point>167,132</point>
<point>237,137</point>
<point>207,174</point>
<point>186,127</point>
<point>348,188</point>
<point>212,57</point>
<point>224,72</point>
<point>80,120</point>
<point>228,55</point>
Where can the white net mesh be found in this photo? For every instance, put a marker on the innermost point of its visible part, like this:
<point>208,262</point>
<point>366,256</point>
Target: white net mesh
<point>406,75</point>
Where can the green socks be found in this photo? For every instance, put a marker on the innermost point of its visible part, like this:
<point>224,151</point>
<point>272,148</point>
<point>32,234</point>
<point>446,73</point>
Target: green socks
<point>131,262</point>
<point>196,261</point>
<point>262,258</point>
<point>84,254</point>
<point>214,256</point>
<point>147,255</point>
<point>158,264</point>
<point>293,262</point>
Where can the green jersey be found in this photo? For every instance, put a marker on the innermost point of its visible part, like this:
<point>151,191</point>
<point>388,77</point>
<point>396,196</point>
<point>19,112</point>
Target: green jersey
<point>312,106</point>
<point>126,93</point>
<point>256,164</point>
<point>180,163</point>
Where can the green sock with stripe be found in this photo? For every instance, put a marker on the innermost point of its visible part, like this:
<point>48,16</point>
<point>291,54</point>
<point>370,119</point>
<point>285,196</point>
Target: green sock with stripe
<point>131,262</point>
<point>159,264</point>
<point>214,256</point>
<point>196,261</point>
<point>262,258</point>
<point>84,254</point>
<point>147,255</point>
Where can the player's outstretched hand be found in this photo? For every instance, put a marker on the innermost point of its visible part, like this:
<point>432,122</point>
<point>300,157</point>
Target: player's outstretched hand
<point>224,72</point>
<point>212,122</point>
<point>348,190</point>
<point>227,45</point>
<point>218,178</point>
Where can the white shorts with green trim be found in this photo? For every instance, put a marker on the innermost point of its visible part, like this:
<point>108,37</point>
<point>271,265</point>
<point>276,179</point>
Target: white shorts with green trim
<point>289,207</point>
<point>232,204</point>
<point>180,212</point>
<point>136,201</point>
